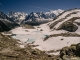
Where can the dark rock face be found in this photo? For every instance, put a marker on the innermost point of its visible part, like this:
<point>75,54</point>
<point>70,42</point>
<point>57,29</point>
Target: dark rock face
<point>78,49</point>
<point>3,16</point>
<point>3,27</point>
<point>6,23</point>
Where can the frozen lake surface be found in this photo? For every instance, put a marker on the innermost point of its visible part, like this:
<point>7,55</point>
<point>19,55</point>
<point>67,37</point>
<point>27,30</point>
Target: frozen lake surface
<point>37,36</point>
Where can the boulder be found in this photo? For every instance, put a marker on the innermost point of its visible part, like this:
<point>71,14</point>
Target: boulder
<point>68,26</point>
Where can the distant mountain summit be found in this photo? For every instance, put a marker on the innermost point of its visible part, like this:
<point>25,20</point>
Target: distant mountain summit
<point>56,12</point>
<point>41,17</point>
<point>3,16</point>
<point>17,16</point>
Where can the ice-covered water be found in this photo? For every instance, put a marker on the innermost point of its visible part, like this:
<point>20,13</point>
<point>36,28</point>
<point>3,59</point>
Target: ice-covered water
<point>28,37</point>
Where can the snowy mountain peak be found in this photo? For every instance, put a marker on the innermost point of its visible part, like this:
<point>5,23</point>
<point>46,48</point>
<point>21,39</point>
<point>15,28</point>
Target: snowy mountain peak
<point>21,17</point>
<point>40,17</point>
<point>17,16</point>
<point>56,12</point>
<point>6,23</point>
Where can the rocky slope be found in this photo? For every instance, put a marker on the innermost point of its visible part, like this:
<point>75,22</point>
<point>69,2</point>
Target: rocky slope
<point>10,50</point>
<point>72,52</point>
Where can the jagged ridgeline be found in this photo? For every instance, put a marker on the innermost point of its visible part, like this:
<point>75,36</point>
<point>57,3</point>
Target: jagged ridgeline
<point>6,23</point>
<point>68,20</point>
<point>34,18</point>
<point>41,17</point>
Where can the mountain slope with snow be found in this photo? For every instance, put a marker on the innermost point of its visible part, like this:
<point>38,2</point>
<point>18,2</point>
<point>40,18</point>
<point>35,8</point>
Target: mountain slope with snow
<point>67,20</point>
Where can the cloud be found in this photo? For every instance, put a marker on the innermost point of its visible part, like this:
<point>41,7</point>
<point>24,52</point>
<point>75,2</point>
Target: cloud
<point>39,7</point>
<point>1,4</point>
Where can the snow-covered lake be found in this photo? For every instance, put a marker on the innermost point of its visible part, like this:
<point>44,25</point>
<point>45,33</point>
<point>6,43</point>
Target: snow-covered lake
<point>37,36</point>
<point>30,36</point>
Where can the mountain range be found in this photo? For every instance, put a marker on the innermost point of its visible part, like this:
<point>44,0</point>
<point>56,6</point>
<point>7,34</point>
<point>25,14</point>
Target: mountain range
<point>34,17</point>
<point>67,17</point>
<point>13,19</point>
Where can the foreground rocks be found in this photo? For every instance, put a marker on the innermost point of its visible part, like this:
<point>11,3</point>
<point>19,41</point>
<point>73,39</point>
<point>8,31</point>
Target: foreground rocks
<point>71,52</point>
<point>10,50</point>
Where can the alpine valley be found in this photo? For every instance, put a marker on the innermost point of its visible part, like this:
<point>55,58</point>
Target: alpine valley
<point>53,35</point>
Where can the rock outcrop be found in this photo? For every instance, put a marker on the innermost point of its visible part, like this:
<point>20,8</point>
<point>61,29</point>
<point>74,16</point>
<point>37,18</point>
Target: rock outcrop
<point>70,52</point>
